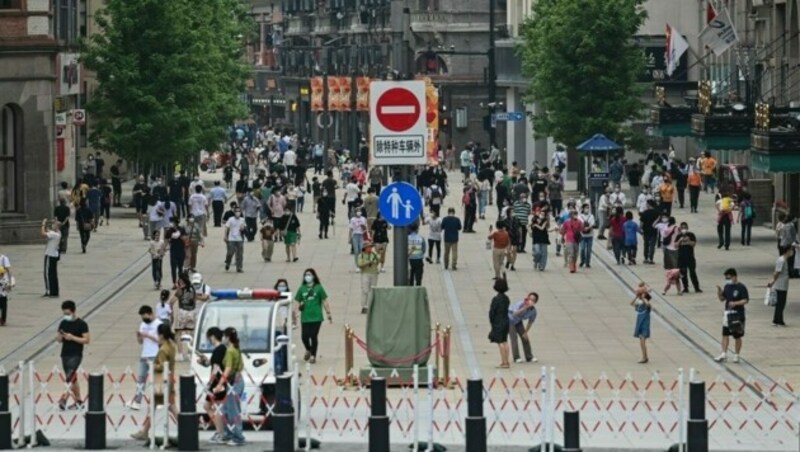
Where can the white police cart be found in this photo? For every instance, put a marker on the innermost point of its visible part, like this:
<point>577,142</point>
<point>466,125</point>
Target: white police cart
<point>263,320</point>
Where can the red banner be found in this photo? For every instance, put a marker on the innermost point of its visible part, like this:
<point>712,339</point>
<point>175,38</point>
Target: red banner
<point>333,93</point>
<point>345,93</point>
<point>317,91</point>
<point>362,93</point>
<point>60,156</point>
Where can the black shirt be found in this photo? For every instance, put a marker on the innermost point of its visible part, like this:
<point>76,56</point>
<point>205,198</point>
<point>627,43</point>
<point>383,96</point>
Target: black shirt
<point>114,172</point>
<point>62,214</point>
<point>76,328</point>
<point>380,231</point>
<point>175,189</point>
<point>227,215</point>
<point>735,292</point>
<point>140,188</point>
<point>647,219</point>
<point>106,199</point>
<point>540,236</point>
<point>539,186</point>
<point>329,188</point>
<point>217,356</point>
<point>685,252</point>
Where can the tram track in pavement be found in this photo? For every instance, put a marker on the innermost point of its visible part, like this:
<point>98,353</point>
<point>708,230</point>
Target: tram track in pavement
<point>688,331</point>
<point>43,340</point>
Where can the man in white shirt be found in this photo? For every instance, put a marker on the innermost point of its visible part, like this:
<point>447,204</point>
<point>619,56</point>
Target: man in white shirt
<point>290,161</point>
<point>617,198</point>
<point>351,191</point>
<point>234,239</point>
<point>603,206</point>
<point>51,256</point>
<point>198,207</point>
<point>644,196</point>
<point>147,336</point>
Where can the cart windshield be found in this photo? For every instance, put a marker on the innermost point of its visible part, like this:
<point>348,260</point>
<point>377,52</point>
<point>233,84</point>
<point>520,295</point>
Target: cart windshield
<point>252,321</point>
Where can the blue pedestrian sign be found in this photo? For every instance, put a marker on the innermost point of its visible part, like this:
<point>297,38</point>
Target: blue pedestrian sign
<point>510,116</point>
<point>400,204</point>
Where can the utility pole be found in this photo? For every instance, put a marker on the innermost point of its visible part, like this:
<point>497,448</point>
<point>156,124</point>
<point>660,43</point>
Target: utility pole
<point>491,70</point>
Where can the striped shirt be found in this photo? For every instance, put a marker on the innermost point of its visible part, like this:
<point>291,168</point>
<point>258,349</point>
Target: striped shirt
<point>522,210</point>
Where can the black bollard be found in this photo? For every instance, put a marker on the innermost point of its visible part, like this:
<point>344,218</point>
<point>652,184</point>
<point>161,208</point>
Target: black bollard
<point>697,436</point>
<point>475,422</point>
<point>95,415</point>
<point>697,400</point>
<point>572,431</point>
<point>5,414</point>
<point>283,415</point>
<point>378,421</point>
<point>188,425</point>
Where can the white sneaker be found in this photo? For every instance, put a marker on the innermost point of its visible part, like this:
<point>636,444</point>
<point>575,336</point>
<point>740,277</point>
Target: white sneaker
<point>518,360</point>
<point>736,357</point>
<point>534,360</point>
<point>722,357</point>
<point>357,270</point>
<point>133,405</point>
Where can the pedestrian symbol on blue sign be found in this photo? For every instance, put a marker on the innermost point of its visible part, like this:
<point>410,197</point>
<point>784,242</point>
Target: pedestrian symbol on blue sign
<point>400,204</point>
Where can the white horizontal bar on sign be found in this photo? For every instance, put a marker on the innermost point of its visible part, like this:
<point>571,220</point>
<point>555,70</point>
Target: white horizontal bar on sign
<point>398,110</point>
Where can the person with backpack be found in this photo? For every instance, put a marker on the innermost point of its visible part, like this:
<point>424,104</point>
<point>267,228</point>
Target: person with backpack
<point>434,198</point>
<point>724,205</point>
<point>746,216</point>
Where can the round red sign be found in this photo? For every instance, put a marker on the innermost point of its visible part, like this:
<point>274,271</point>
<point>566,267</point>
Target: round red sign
<point>398,109</point>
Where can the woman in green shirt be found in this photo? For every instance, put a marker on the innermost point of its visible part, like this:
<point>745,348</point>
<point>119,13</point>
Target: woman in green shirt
<point>311,298</point>
<point>233,382</point>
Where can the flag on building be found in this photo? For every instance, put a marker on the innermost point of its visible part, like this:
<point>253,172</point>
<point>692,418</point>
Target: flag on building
<point>711,12</point>
<point>720,34</point>
<point>676,47</point>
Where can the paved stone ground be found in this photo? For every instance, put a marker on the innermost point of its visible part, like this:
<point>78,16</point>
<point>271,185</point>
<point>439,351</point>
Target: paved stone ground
<point>584,330</point>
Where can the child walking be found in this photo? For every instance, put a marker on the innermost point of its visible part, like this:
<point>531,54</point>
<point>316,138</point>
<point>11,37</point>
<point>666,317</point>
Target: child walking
<point>673,277</point>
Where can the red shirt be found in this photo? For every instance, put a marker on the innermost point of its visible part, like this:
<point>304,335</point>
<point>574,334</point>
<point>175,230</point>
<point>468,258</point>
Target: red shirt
<point>616,227</point>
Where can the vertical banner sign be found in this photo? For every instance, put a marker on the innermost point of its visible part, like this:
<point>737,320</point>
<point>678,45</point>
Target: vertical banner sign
<point>345,93</point>
<point>317,92</point>
<point>60,154</point>
<point>333,93</point>
<point>362,93</point>
<point>432,121</point>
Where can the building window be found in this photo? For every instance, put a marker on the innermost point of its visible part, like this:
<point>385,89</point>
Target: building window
<point>10,151</point>
<point>429,5</point>
<point>10,4</point>
<point>67,21</point>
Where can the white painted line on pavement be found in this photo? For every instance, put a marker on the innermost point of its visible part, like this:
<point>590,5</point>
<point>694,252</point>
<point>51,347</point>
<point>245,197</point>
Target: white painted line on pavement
<point>461,323</point>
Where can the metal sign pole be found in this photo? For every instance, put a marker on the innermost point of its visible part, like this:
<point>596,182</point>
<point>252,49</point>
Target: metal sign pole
<point>400,236</point>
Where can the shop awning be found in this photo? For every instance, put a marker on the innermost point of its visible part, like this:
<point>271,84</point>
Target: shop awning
<point>784,162</point>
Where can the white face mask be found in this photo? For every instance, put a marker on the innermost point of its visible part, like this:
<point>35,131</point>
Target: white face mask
<point>283,288</point>
<point>309,279</point>
<point>68,317</point>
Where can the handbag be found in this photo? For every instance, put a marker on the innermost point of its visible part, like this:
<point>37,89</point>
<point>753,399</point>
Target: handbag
<point>88,226</point>
<point>771,297</point>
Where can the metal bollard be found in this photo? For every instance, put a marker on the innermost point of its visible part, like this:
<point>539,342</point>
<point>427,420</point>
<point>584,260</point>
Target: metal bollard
<point>378,420</point>
<point>572,431</point>
<point>475,422</point>
<point>697,400</point>
<point>5,414</point>
<point>96,414</point>
<point>697,426</point>
<point>697,432</point>
<point>188,427</point>
<point>283,415</point>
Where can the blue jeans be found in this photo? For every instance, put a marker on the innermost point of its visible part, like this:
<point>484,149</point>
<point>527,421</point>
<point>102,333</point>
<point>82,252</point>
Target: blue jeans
<point>358,244</point>
<point>540,255</point>
<point>483,201</point>
<point>141,378</point>
<point>585,251</point>
<point>232,412</point>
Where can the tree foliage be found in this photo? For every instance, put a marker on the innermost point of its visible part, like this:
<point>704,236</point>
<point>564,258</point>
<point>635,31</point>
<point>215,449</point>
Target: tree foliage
<point>170,75</point>
<point>583,67</point>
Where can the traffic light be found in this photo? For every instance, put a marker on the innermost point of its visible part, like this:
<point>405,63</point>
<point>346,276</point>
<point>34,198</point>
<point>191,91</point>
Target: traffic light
<point>444,124</point>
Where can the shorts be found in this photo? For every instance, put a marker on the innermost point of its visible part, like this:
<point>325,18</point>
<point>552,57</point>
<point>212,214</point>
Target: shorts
<point>185,320</point>
<point>291,238</point>
<point>727,332</point>
<point>380,247</point>
<point>71,364</point>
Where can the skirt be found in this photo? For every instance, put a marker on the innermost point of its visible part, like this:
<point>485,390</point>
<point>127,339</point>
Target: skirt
<point>291,238</point>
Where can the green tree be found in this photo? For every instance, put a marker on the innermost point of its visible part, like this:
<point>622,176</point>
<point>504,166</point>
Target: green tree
<point>583,67</point>
<point>170,75</point>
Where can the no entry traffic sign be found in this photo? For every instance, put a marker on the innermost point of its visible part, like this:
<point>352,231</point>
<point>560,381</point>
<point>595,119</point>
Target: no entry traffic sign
<point>397,122</point>
<point>398,109</point>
